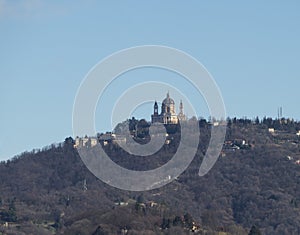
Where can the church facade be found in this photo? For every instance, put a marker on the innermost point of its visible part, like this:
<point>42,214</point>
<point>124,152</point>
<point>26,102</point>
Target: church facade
<point>168,113</point>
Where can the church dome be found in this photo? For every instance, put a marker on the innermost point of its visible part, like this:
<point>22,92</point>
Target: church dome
<point>168,101</point>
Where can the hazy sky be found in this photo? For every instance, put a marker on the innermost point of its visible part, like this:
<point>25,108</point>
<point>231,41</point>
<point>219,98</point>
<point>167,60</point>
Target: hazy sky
<point>47,47</point>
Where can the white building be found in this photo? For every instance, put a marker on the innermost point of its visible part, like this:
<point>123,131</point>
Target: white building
<point>168,113</point>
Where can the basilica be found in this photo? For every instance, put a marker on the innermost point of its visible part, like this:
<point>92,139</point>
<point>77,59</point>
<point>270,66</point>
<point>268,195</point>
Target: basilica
<point>168,113</point>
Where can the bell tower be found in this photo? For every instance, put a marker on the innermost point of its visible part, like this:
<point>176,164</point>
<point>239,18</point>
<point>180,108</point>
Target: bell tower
<point>181,115</point>
<point>155,108</point>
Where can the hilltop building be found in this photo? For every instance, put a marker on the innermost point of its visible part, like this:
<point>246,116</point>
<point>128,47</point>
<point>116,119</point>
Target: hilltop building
<point>168,113</point>
<point>85,142</point>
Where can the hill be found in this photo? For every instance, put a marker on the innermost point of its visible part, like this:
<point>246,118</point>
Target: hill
<point>256,181</point>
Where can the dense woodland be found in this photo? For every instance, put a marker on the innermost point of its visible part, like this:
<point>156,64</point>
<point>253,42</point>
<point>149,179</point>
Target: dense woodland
<point>250,190</point>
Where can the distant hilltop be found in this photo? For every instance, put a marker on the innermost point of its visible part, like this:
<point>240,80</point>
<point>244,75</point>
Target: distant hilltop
<point>280,131</point>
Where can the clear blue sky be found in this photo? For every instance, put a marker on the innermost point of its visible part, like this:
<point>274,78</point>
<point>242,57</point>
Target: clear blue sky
<point>252,49</point>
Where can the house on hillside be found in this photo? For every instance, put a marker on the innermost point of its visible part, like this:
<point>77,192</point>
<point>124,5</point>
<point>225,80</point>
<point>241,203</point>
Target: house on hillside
<point>271,130</point>
<point>85,142</point>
